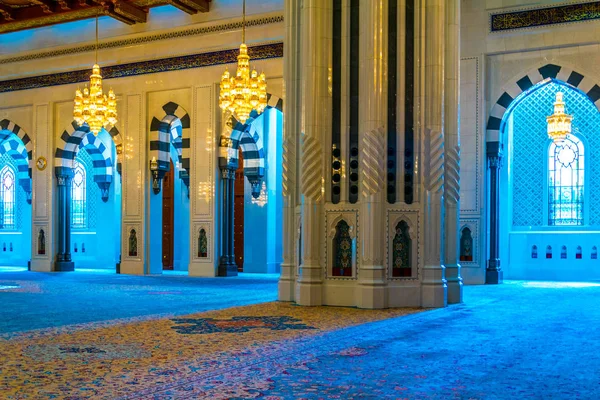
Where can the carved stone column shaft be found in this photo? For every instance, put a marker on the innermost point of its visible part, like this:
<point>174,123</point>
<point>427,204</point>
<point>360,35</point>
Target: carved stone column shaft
<point>493,273</point>
<point>452,152</point>
<point>63,256</point>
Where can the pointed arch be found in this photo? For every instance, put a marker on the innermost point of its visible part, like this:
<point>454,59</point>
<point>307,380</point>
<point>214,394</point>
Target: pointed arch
<point>14,140</point>
<point>73,139</point>
<point>513,91</point>
<point>171,125</point>
<point>7,128</point>
<point>246,137</point>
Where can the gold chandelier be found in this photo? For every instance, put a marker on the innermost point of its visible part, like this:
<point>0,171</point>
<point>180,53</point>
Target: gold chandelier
<point>559,123</point>
<point>92,105</point>
<point>246,91</point>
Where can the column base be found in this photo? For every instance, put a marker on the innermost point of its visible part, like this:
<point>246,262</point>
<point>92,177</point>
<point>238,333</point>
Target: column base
<point>434,288</point>
<point>493,277</point>
<point>64,266</point>
<point>287,282</point>
<point>455,284</point>
<point>227,269</point>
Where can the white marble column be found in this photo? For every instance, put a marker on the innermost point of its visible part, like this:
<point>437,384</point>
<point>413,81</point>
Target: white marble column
<point>434,288</point>
<point>452,152</point>
<point>315,119</point>
<point>43,244</point>
<point>372,114</point>
<point>135,170</point>
<point>291,133</point>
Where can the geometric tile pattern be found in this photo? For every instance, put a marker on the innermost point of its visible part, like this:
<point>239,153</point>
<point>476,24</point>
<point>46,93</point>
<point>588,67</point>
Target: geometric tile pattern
<point>497,120</point>
<point>530,151</point>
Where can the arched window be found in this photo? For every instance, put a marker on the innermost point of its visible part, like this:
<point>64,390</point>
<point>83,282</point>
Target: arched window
<point>566,182</point>
<point>7,198</point>
<point>78,197</point>
<point>342,250</point>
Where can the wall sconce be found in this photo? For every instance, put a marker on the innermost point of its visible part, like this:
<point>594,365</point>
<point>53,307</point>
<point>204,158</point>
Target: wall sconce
<point>155,176</point>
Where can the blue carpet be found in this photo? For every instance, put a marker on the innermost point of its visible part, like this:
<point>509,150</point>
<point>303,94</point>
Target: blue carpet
<point>47,300</point>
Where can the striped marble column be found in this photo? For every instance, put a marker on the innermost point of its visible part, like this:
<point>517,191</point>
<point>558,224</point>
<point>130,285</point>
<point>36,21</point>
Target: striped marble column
<point>315,116</point>
<point>433,283</point>
<point>452,152</point>
<point>373,89</point>
<point>291,133</point>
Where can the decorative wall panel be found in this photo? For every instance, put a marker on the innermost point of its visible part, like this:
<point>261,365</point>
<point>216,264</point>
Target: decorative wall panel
<point>470,174</point>
<point>202,187</point>
<point>133,177</point>
<point>545,16</point>
<point>530,151</point>
<point>412,218</point>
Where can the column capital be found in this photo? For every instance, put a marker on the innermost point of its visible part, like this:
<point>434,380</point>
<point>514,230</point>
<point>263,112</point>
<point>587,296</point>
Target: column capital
<point>63,175</point>
<point>228,173</point>
<point>495,153</point>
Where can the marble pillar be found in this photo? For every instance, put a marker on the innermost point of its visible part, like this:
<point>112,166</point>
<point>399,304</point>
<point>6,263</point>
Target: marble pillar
<point>433,284</point>
<point>372,116</point>
<point>315,117</point>
<point>227,266</point>
<point>493,273</point>
<point>63,260</point>
<point>452,152</point>
<point>291,133</point>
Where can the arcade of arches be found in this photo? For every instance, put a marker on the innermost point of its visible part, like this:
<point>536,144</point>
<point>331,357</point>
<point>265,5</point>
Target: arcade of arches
<point>402,163</point>
<point>379,184</point>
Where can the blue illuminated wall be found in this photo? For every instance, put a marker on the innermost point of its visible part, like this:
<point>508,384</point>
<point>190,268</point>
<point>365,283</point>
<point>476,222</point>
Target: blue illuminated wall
<point>18,239</point>
<point>263,251</point>
<point>98,244</point>
<point>530,149</point>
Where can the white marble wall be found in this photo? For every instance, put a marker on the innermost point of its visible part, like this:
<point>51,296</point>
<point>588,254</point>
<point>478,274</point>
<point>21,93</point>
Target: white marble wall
<point>490,63</point>
<point>45,112</point>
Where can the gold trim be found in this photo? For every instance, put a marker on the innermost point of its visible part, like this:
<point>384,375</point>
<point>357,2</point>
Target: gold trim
<point>43,162</point>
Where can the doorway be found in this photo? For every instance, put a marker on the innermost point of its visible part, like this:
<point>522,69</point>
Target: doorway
<point>167,219</point>
<point>238,210</point>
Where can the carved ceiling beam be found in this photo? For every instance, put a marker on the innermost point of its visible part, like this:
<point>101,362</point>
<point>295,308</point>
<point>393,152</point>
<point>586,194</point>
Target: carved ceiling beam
<point>6,12</point>
<point>190,6</point>
<point>50,12</point>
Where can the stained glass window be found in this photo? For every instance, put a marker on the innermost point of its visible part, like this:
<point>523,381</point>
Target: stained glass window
<point>78,197</point>
<point>7,198</point>
<point>566,182</point>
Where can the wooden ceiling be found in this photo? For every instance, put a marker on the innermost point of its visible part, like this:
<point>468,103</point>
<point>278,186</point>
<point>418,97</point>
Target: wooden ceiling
<point>16,15</point>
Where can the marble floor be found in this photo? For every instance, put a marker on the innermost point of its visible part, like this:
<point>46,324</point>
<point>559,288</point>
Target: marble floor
<point>103,336</point>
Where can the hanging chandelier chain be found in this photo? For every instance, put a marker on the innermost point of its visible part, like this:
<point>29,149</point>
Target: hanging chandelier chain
<point>96,38</point>
<point>92,105</point>
<point>244,22</point>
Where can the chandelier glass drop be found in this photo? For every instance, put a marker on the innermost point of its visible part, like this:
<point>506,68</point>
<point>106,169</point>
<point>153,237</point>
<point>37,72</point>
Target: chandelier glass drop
<point>245,91</point>
<point>92,106</point>
<point>559,123</point>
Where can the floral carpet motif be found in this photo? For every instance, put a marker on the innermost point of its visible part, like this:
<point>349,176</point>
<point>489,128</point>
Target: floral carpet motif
<point>197,356</point>
<point>236,324</point>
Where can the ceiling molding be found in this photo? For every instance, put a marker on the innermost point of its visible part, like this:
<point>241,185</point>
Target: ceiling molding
<point>143,39</point>
<point>258,52</point>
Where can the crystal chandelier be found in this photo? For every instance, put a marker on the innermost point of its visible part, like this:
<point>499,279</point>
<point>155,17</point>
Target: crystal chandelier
<point>559,123</point>
<point>245,91</point>
<point>92,105</point>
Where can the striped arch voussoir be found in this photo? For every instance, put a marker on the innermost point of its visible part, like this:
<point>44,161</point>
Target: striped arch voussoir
<point>9,128</point>
<point>244,136</point>
<point>69,142</point>
<point>495,123</point>
<point>171,125</point>
<point>17,151</point>
<point>101,158</point>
